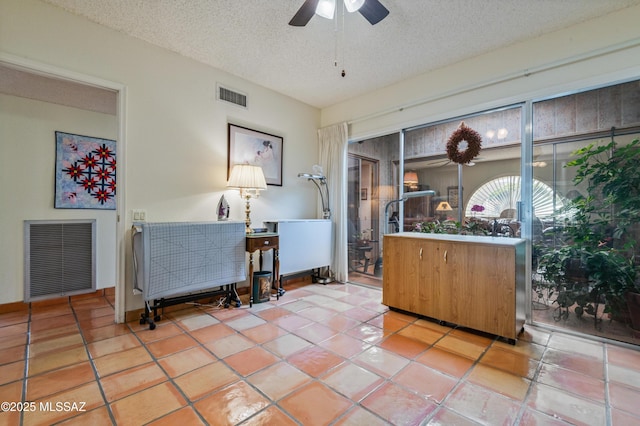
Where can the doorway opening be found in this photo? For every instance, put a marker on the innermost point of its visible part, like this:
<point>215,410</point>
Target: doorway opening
<point>363,213</point>
<point>112,103</point>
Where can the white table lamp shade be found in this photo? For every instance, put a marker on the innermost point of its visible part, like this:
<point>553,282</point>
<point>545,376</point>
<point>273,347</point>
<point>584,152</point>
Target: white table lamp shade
<point>245,176</point>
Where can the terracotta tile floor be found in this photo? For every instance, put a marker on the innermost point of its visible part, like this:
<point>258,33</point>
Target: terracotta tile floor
<point>321,355</point>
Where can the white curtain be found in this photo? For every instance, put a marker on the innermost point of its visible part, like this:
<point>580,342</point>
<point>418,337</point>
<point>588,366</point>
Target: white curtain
<point>333,142</point>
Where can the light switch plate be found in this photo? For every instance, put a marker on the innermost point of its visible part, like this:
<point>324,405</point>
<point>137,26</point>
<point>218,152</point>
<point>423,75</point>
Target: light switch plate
<point>139,215</point>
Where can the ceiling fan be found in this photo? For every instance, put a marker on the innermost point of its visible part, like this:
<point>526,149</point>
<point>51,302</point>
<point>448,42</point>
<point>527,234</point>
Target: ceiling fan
<point>372,10</point>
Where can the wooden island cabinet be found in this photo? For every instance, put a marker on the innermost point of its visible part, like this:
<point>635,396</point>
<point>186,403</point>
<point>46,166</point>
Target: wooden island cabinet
<point>471,281</point>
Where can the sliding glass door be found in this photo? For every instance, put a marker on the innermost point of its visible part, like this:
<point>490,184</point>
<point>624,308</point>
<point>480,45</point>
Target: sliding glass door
<point>587,240</point>
<point>372,183</point>
<point>525,184</point>
<point>485,191</point>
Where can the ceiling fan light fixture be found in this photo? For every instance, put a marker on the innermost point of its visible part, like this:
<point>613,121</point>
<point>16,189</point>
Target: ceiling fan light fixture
<point>372,10</point>
<point>353,5</point>
<point>326,8</point>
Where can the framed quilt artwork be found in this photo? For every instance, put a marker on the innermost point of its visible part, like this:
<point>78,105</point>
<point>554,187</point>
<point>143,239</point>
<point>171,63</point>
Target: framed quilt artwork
<point>256,148</point>
<point>85,172</point>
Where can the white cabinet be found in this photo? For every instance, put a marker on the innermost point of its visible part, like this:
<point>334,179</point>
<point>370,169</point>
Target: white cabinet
<point>305,244</point>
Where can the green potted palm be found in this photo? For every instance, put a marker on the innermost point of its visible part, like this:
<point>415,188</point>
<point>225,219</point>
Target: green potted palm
<point>602,234</point>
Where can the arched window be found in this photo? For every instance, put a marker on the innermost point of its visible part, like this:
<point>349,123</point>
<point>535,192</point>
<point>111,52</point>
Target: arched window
<point>500,196</point>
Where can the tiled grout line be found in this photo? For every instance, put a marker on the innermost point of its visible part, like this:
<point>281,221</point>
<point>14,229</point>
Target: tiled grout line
<point>358,403</point>
<point>315,379</point>
<point>92,363</point>
<point>534,380</point>
<point>523,403</point>
<point>26,363</point>
<point>172,379</point>
<point>440,405</point>
<point>319,378</point>
<point>241,378</point>
<point>607,400</point>
<point>461,380</point>
<point>605,403</point>
<point>432,345</point>
<point>386,380</point>
<point>25,376</point>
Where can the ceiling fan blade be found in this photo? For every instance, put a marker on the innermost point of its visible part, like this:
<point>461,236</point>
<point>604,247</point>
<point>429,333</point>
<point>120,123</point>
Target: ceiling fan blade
<point>304,14</point>
<point>373,11</point>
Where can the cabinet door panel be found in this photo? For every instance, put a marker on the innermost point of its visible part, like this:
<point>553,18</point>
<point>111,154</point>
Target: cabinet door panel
<point>401,265</point>
<point>485,288</point>
<point>429,278</point>
<point>443,291</point>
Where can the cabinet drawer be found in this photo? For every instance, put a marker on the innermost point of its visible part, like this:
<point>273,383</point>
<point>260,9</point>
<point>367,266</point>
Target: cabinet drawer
<point>261,243</point>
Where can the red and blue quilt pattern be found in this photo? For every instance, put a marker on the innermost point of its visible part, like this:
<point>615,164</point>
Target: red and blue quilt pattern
<point>85,172</point>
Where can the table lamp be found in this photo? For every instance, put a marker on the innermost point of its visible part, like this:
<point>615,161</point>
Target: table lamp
<point>250,181</point>
<point>444,207</point>
<point>411,179</point>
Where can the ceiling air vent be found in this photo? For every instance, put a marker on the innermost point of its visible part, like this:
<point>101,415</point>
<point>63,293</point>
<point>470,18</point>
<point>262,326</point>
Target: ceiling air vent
<point>232,96</point>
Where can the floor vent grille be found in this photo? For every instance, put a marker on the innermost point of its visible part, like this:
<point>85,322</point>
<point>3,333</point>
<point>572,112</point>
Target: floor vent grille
<point>59,258</point>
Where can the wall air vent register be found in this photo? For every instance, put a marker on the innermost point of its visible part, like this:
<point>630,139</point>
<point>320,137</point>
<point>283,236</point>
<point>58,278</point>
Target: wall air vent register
<point>59,258</point>
<point>232,96</point>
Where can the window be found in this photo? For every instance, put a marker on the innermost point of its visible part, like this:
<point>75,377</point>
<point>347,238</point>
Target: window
<point>500,197</point>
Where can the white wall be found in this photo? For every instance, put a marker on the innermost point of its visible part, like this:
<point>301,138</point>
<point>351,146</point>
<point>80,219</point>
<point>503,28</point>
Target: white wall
<point>176,131</point>
<point>27,163</point>
<point>570,59</point>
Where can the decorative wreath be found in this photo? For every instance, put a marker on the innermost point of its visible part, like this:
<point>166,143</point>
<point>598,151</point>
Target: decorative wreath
<point>474,143</point>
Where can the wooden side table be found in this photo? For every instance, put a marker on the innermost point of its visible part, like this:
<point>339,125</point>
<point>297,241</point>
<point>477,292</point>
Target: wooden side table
<point>264,242</point>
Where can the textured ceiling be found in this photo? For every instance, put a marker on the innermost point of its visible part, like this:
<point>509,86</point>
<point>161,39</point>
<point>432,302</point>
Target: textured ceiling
<point>252,38</point>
